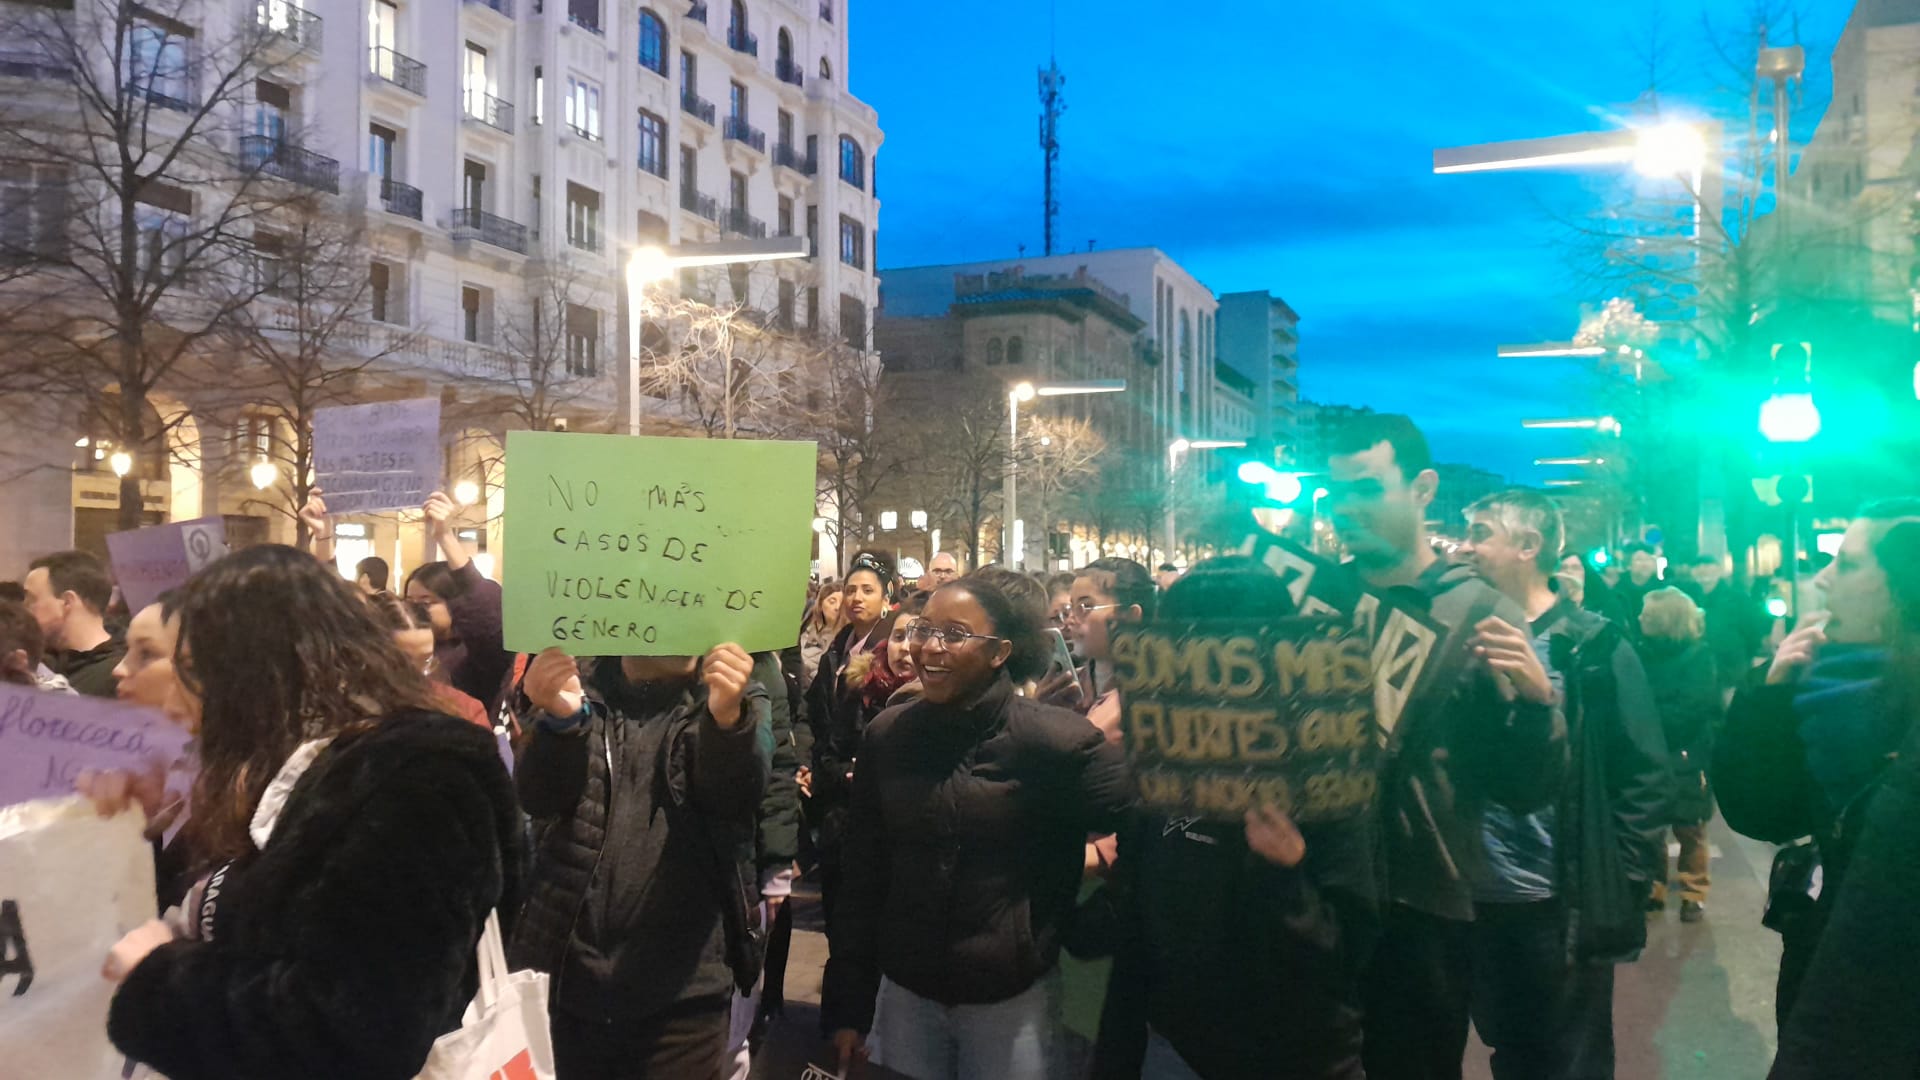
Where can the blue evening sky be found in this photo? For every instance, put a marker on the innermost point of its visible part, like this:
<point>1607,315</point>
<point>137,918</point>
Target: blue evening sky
<point>1288,146</point>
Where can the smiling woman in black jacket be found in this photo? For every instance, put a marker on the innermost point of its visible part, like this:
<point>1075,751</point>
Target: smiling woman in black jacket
<point>965,847</point>
<point>356,841</point>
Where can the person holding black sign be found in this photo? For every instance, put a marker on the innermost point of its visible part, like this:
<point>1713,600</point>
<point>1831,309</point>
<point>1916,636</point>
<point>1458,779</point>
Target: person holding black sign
<point>1239,946</point>
<point>1485,728</point>
<point>1564,901</point>
<point>964,847</point>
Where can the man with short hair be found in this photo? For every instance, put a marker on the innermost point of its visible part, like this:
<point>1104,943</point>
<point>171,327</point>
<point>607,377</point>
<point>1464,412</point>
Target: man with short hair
<point>373,575</point>
<point>1164,577</point>
<point>68,593</point>
<point>1729,623</point>
<point>942,568</point>
<point>1643,576</point>
<point>1562,904</point>
<point>1492,732</point>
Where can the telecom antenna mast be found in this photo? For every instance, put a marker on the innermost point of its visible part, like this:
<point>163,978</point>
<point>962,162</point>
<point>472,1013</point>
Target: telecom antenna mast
<point>1053,102</point>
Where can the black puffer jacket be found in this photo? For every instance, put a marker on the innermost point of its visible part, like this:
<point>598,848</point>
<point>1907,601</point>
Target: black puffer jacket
<point>644,821</point>
<point>1688,695</point>
<point>965,849</point>
<point>347,946</point>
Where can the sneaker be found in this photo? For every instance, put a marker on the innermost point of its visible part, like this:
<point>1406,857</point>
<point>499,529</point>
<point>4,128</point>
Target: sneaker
<point>1656,905</point>
<point>1692,911</point>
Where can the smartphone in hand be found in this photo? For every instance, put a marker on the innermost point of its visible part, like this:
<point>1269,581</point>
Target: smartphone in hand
<point>1062,663</point>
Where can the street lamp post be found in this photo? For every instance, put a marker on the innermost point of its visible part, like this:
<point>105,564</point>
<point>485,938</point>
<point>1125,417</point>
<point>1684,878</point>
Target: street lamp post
<point>654,263</point>
<point>1011,546</point>
<point>1175,451</point>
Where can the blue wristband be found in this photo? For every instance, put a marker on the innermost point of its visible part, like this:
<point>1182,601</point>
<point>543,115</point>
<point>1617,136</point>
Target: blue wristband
<point>562,725</point>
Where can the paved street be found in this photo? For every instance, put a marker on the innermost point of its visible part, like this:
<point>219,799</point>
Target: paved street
<point>1698,1004</point>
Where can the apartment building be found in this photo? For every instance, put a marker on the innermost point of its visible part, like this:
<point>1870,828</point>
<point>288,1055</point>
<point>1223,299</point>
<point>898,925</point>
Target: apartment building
<point>1260,342</point>
<point>492,151</point>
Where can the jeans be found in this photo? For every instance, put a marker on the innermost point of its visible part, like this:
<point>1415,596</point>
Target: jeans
<point>1415,990</point>
<point>1015,1039</point>
<point>684,1042</point>
<point>1695,860</point>
<point>1544,1019</point>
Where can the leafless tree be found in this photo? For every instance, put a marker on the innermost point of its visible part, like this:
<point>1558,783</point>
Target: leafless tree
<point>132,189</point>
<point>542,373</point>
<point>964,449</point>
<point>303,344</point>
<point>840,404</point>
<point>1057,456</point>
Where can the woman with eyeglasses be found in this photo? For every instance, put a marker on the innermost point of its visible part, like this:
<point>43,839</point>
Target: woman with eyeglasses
<point>837,710</point>
<point>970,810</point>
<point>411,623</point>
<point>1106,593</point>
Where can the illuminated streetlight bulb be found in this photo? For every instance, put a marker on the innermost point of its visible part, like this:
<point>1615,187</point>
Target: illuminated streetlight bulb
<point>1670,150</point>
<point>1024,392</point>
<point>466,493</point>
<point>121,462</point>
<point>263,474</point>
<point>1180,446</point>
<point>649,264</point>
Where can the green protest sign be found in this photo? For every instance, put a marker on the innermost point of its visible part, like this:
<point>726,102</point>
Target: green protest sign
<point>624,546</point>
<point>1224,715</point>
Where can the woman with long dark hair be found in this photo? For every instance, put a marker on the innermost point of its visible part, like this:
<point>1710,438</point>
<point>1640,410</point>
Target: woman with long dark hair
<point>970,812</point>
<point>355,837</point>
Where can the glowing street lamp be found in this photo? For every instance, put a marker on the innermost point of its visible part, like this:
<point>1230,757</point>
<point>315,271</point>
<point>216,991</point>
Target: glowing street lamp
<point>653,263</point>
<point>1011,542</point>
<point>263,474</point>
<point>121,462</point>
<point>466,493</point>
<point>1175,450</point>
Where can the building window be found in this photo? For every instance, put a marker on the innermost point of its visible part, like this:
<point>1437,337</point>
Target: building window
<point>853,321</point>
<point>380,146</point>
<point>269,261</point>
<point>477,84</point>
<point>783,129</point>
<point>813,307</point>
<point>1016,350</point>
<point>826,69</point>
<point>272,103</point>
<point>583,217</point>
<point>584,14</point>
<point>583,108</point>
<point>653,43</point>
<point>539,94</point>
<point>476,314</point>
<point>813,231</point>
<point>652,229</point>
<point>156,62</point>
<point>382,293</point>
<point>473,186</point>
<point>689,74</point>
<point>653,144</point>
<point>853,243</point>
<point>787,301</point>
<point>33,212</point>
<point>853,162</point>
<point>995,352</point>
<point>583,341</point>
<point>784,216</point>
<point>737,102</point>
<point>689,170</point>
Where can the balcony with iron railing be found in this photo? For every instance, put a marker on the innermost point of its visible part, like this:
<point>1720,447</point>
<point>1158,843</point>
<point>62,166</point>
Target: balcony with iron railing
<point>401,70</point>
<point>471,224</point>
<point>788,156</point>
<point>402,199</point>
<point>33,63</point>
<point>280,158</point>
<point>295,25</point>
<point>789,72</point>
<point>702,205</point>
<point>742,42</point>
<point>697,107</point>
<point>489,110</point>
<point>698,12</point>
<point>740,223</point>
<point>738,130</point>
<point>503,7</point>
<point>590,24</point>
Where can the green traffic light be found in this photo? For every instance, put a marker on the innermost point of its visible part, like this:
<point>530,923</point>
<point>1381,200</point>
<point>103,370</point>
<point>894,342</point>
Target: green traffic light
<point>1777,606</point>
<point>1598,557</point>
<point>1256,472</point>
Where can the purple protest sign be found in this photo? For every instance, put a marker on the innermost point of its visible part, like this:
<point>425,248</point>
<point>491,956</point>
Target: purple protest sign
<point>148,562</point>
<point>46,739</point>
<point>384,456</point>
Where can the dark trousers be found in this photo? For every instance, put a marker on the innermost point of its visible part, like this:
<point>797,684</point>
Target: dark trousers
<point>1416,997</point>
<point>684,1042</point>
<point>773,985</point>
<point>1543,1017</point>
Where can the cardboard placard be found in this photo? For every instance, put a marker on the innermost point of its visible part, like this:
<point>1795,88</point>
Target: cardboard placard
<point>383,456</point>
<point>1223,715</point>
<point>147,562</point>
<point>46,739</point>
<point>624,546</point>
<point>72,884</point>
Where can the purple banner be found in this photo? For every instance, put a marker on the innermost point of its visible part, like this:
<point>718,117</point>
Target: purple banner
<point>46,739</point>
<point>384,456</point>
<point>148,562</point>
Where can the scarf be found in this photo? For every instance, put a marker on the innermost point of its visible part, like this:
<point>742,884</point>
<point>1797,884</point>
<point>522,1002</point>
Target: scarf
<point>1845,724</point>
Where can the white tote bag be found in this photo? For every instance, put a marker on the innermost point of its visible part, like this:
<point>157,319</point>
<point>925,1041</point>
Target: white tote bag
<point>505,1033</point>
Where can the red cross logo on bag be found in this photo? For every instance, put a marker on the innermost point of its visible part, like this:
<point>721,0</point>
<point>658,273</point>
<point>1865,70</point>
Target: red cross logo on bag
<point>520,1068</point>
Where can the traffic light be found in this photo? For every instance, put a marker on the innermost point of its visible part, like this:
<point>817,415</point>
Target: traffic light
<point>1598,558</point>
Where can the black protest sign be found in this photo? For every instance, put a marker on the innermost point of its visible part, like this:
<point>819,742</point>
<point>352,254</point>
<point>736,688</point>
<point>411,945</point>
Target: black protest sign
<point>1223,715</point>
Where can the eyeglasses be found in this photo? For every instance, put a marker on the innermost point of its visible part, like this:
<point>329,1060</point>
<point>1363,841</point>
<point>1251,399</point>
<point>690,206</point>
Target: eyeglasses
<point>1085,608</point>
<point>950,637</point>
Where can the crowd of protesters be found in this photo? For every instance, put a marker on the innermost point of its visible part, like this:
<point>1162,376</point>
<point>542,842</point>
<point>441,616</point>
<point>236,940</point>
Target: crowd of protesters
<point>943,758</point>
